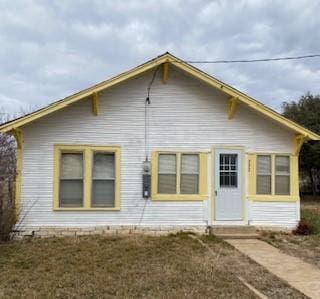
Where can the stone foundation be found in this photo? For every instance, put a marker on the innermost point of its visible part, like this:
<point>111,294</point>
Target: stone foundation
<point>46,232</point>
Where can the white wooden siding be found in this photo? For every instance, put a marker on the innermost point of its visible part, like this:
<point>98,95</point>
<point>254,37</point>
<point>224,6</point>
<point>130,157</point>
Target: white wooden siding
<point>183,114</point>
<point>274,213</point>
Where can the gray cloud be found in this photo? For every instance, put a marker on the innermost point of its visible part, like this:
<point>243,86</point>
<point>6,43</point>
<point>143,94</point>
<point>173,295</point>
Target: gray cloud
<point>50,49</point>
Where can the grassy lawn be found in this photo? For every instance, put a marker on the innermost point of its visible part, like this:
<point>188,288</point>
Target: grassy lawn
<point>305,247</point>
<point>176,266</point>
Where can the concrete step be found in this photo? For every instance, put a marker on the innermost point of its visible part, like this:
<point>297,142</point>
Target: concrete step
<point>228,229</point>
<point>237,236</point>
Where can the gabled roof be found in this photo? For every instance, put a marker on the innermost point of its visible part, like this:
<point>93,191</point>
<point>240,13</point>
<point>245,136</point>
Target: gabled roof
<point>180,64</point>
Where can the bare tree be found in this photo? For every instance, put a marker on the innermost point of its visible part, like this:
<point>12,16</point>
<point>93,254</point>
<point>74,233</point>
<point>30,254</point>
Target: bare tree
<point>7,178</point>
<point>8,148</point>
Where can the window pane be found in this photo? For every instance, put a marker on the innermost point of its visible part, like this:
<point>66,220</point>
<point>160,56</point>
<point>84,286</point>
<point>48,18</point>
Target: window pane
<point>190,163</point>
<point>264,165</point>
<point>71,193</point>
<point>282,184</point>
<point>228,179</point>
<point>167,163</point>
<point>228,170</point>
<point>264,184</point>
<point>282,165</point>
<point>71,165</point>
<point>167,183</point>
<point>189,184</point>
<point>103,165</point>
<point>103,193</point>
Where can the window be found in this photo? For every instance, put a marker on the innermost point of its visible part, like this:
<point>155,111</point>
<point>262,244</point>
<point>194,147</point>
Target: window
<point>282,175</point>
<point>179,175</point>
<point>273,175</point>
<point>228,174</point>
<point>71,180</point>
<point>189,182</point>
<point>87,177</point>
<point>167,173</point>
<point>103,179</point>
<point>264,175</point>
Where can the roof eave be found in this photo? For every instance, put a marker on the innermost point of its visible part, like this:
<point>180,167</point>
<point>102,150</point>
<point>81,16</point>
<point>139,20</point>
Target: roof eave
<point>166,57</point>
<point>60,104</point>
<point>254,104</point>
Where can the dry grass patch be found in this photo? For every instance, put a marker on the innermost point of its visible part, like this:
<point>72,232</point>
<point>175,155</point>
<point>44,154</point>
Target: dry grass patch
<point>122,267</point>
<point>304,247</point>
<point>176,266</point>
<point>253,273</point>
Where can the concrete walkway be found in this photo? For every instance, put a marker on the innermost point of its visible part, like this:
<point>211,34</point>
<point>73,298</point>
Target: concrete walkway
<point>300,275</point>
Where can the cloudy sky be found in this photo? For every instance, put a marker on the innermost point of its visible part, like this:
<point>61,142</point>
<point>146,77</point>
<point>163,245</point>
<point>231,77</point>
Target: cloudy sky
<point>50,49</point>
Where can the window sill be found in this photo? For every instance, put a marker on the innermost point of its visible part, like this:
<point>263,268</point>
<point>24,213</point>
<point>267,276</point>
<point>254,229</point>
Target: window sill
<point>178,197</point>
<point>273,197</point>
<point>87,209</point>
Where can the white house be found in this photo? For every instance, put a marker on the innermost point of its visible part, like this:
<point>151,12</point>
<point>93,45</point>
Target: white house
<point>218,156</point>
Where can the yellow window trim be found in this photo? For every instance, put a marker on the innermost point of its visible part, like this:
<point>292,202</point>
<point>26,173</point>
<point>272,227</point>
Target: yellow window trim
<point>86,209</point>
<point>87,155</point>
<point>252,178</point>
<point>203,180</point>
<point>260,197</point>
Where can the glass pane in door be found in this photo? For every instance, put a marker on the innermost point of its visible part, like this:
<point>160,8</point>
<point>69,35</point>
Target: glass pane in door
<point>228,170</point>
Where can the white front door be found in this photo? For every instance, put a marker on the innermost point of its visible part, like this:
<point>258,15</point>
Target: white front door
<point>228,184</point>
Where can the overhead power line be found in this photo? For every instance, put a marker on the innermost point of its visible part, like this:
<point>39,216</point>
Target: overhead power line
<point>254,60</point>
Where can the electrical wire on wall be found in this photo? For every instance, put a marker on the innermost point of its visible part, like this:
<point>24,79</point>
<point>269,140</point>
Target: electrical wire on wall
<point>146,115</point>
<point>146,130</point>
